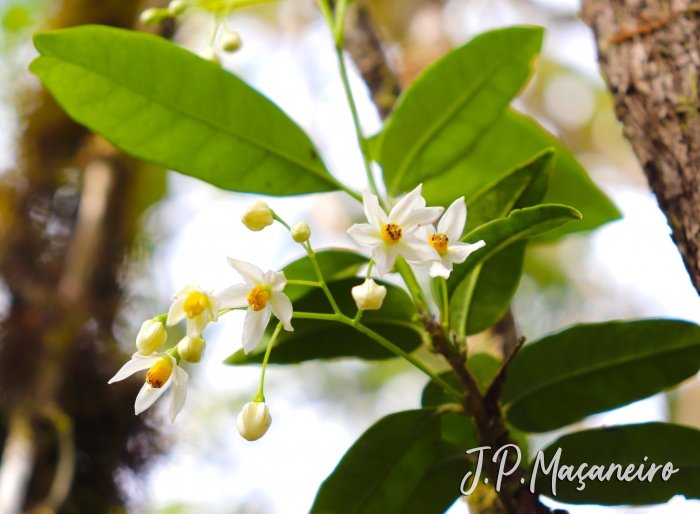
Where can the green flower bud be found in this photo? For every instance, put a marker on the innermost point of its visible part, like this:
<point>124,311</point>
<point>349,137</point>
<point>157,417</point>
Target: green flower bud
<point>153,15</point>
<point>191,349</point>
<point>231,41</point>
<point>301,232</point>
<point>177,7</point>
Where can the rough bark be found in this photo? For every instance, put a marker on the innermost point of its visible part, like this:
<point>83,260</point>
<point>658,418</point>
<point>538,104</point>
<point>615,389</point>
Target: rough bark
<point>649,54</point>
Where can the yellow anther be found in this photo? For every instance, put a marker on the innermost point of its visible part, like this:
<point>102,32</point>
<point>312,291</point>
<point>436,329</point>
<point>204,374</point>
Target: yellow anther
<point>391,233</point>
<point>439,242</point>
<point>257,298</point>
<point>159,373</point>
<point>195,304</point>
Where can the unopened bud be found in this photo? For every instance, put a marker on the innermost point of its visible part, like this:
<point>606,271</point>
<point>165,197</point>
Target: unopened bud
<point>254,420</point>
<point>151,337</point>
<point>369,295</point>
<point>301,232</point>
<point>191,349</point>
<point>177,7</point>
<point>208,54</point>
<point>153,15</point>
<point>257,216</point>
<point>231,41</point>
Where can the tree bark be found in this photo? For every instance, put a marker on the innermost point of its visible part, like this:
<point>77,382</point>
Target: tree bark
<point>649,54</point>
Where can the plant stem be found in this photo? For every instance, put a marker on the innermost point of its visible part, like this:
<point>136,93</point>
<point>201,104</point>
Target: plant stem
<point>259,396</point>
<point>316,315</point>
<point>445,307</point>
<point>310,283</point>
<point>322,281</point>
<point>464,321</point>
<point>413,286</point>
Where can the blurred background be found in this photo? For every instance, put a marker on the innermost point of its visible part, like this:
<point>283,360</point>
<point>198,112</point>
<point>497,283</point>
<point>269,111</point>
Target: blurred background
<point>92,243</point>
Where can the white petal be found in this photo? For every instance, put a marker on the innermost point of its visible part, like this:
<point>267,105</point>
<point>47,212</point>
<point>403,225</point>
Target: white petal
<point>179,392</point>
<point>282,308</point>
<point>234,296</point>
<point>148,395</point>
<point>406,205</point>
<point>365,234</point>
<point>384,256</point>
<point>254,327</point>
<point>453,221</point>
<point>177,312</point>
<point>424,233</point>
<point>196,325</point>
<point>416,250</point>
<point>375,214</point>
<point>419,218</point>
<point>438,269</point>
<point>275,280</point>
<point>214,305</point>
<point>185,291</point>
<point>458,252</point>
<point>136,364</point>
<point>250,272</point>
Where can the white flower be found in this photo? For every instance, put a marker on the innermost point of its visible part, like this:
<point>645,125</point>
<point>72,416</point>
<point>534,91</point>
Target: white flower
<point>392,235</point>
<point>369,295</point>
<point>191,349</point>
<point>195,305</point>
<point>262,293</point>
<point>257,216</point>
<point>151,337</point>
<point>446,242</point>
<point>301,232</point>
<point>163,373</point>
<point>254,420</point>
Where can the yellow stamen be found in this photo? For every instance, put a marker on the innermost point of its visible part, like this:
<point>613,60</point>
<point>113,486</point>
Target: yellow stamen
<point>439,242</point>
<point>391,233</point>
<point>257,298</point>
<point>159,373</point>
<point>195,304</point>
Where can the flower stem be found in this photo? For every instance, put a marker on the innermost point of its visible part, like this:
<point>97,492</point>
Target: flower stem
<point>322,281</point>
<point>310,283</point>
<point>445,306</point>
<point>413,286</point>
<point>260,397</point>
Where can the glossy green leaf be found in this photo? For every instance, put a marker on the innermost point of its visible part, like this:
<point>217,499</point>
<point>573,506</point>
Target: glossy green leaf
<point>445,110</point>
<point>626,445</point>
<point>501,233</point>
<point>510,141</point>
<point>597,367</point>
<point>379,473</point>
<point>316,339</point>
<point>161,103</point>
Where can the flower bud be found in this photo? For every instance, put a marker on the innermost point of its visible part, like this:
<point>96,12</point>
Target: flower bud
<point>231,41</point>
<point>151,337</point>
<point>258,216</point>
<point>191,349</point>
<point>177,7</point>
<point>208,54</point>
<point>301,232</point>
<point>153,15</point>
<point>369,295</point>
<point>254,420</point>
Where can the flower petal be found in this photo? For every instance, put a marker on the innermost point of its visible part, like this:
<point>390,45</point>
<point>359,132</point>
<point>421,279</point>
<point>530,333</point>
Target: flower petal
<point>148,395</point>
<point>214,305</point>
<point>275,280</point>
<point>137,363</point>
<point>416,250</point>
<point>419,218</point>
<point>196,325</point>
<point>179,392</point>
<point>365,234</point>
<point>384,256</point>
<point>234,296</point>
<point>282,308</point>
<point>375,214</point>
<point>424,233</point>
<point>250,272</point>
<point>185,291</point>
<point>458,252</point>
<point>405,206</point>
<point>177,312</point>
<point>453,221</point>
<point>438,268</point>
<point>254,327</point>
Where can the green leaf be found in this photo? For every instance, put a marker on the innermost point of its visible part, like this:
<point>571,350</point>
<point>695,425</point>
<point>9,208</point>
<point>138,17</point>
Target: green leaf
<point>498,234</point>
<point>510,141</point>
<point>457,430</point>
<point>597,367</point>
<point>379,473</point>
<point>316,339</point>
<point>445,111</point>
<point>626,445</point>
<point>161,103</point>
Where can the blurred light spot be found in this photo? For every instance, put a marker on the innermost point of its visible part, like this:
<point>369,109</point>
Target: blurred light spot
<point>569,100</point>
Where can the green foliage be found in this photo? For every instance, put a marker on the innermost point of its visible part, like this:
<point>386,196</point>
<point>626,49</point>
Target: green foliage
<point>314,339</point>
<point>396,462</point>
<point>159,102</point>
<point>501,233</point>
<point>456,430</point>
<point>597,367</point>
<point>627,445</point>
<point>445,111</point>
<point>511,140</point>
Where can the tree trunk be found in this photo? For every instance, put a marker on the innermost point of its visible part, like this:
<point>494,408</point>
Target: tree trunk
<point>650,55</point>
